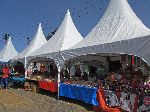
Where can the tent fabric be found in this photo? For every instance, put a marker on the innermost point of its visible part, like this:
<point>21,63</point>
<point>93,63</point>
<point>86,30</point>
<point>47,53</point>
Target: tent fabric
<point>119,31</point>
<point>136,46</point>
<point>119,22</point>
<point>65,37</point>
<point>38,40</point>
<point>8,52</point>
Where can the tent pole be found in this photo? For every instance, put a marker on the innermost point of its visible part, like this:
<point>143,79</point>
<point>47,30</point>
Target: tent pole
<point>25,66</point>
<point>69,67</point>
<point>58,73</point>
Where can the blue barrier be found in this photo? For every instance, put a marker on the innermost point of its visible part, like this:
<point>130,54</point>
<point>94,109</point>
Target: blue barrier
<point>83,93</point>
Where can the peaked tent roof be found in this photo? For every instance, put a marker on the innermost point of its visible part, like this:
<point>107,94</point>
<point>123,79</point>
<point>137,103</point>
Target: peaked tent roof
<point>38,40</point>
<point>119,31</point>
<point>8,52</point>
<point>118,23</point>
<point>65,37</point>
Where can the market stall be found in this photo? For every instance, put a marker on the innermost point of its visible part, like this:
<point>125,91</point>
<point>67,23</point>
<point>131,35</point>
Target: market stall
<point>43,75</point>
<point>37,41</point>
<point>122,83</point>
<point>128,38</point>
<point>17,76</point>
<point>49,84</point>
<point>6,54</point>
<point>79,78</point>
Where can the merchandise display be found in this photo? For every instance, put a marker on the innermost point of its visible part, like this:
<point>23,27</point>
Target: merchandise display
<point>80,82</point>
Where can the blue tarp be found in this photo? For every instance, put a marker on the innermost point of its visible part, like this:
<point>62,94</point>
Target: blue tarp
<point>83,93</point>
<point>17,79</point>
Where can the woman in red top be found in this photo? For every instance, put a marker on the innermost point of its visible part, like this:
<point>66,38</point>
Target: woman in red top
<point>5,76</point>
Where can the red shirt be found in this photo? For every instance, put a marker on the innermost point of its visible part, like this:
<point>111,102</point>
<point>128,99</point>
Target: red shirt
<point>5,72</point>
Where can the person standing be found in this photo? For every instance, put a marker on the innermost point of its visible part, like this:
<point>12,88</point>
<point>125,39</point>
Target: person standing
<point>5,76</point>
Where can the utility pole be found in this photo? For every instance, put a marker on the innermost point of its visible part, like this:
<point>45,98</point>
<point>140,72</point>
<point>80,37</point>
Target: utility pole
<point>28,40</point>
<point>6,36</point>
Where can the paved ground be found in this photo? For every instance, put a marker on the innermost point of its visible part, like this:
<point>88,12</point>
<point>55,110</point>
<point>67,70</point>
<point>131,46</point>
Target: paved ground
<point>18,100</point>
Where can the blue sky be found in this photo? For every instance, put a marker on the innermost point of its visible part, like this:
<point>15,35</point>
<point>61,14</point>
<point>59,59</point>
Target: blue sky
<point>19,18</point>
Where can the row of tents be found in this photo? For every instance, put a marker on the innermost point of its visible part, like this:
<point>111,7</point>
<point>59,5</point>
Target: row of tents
<point>118,31</point>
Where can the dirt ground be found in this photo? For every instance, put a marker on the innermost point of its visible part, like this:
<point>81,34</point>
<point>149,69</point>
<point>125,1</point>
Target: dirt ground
<point>12,102</point>
<point>19,100</point>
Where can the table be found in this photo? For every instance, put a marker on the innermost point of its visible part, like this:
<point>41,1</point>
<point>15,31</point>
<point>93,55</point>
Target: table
<point>17,79</point>
<point>49,86</point>
<point>83,93</point>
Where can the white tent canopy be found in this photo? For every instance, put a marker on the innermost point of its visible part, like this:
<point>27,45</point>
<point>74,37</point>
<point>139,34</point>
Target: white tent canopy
<point>118,23</point>
<point>119,31</point>
<point>8,52</point>
<point>137,46</point>
<point>38,40</point>
<point>65,37</point>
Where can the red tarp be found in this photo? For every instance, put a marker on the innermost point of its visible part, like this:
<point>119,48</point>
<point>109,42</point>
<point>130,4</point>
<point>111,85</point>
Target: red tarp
<point>49,86</point>
<point>103,107</point>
